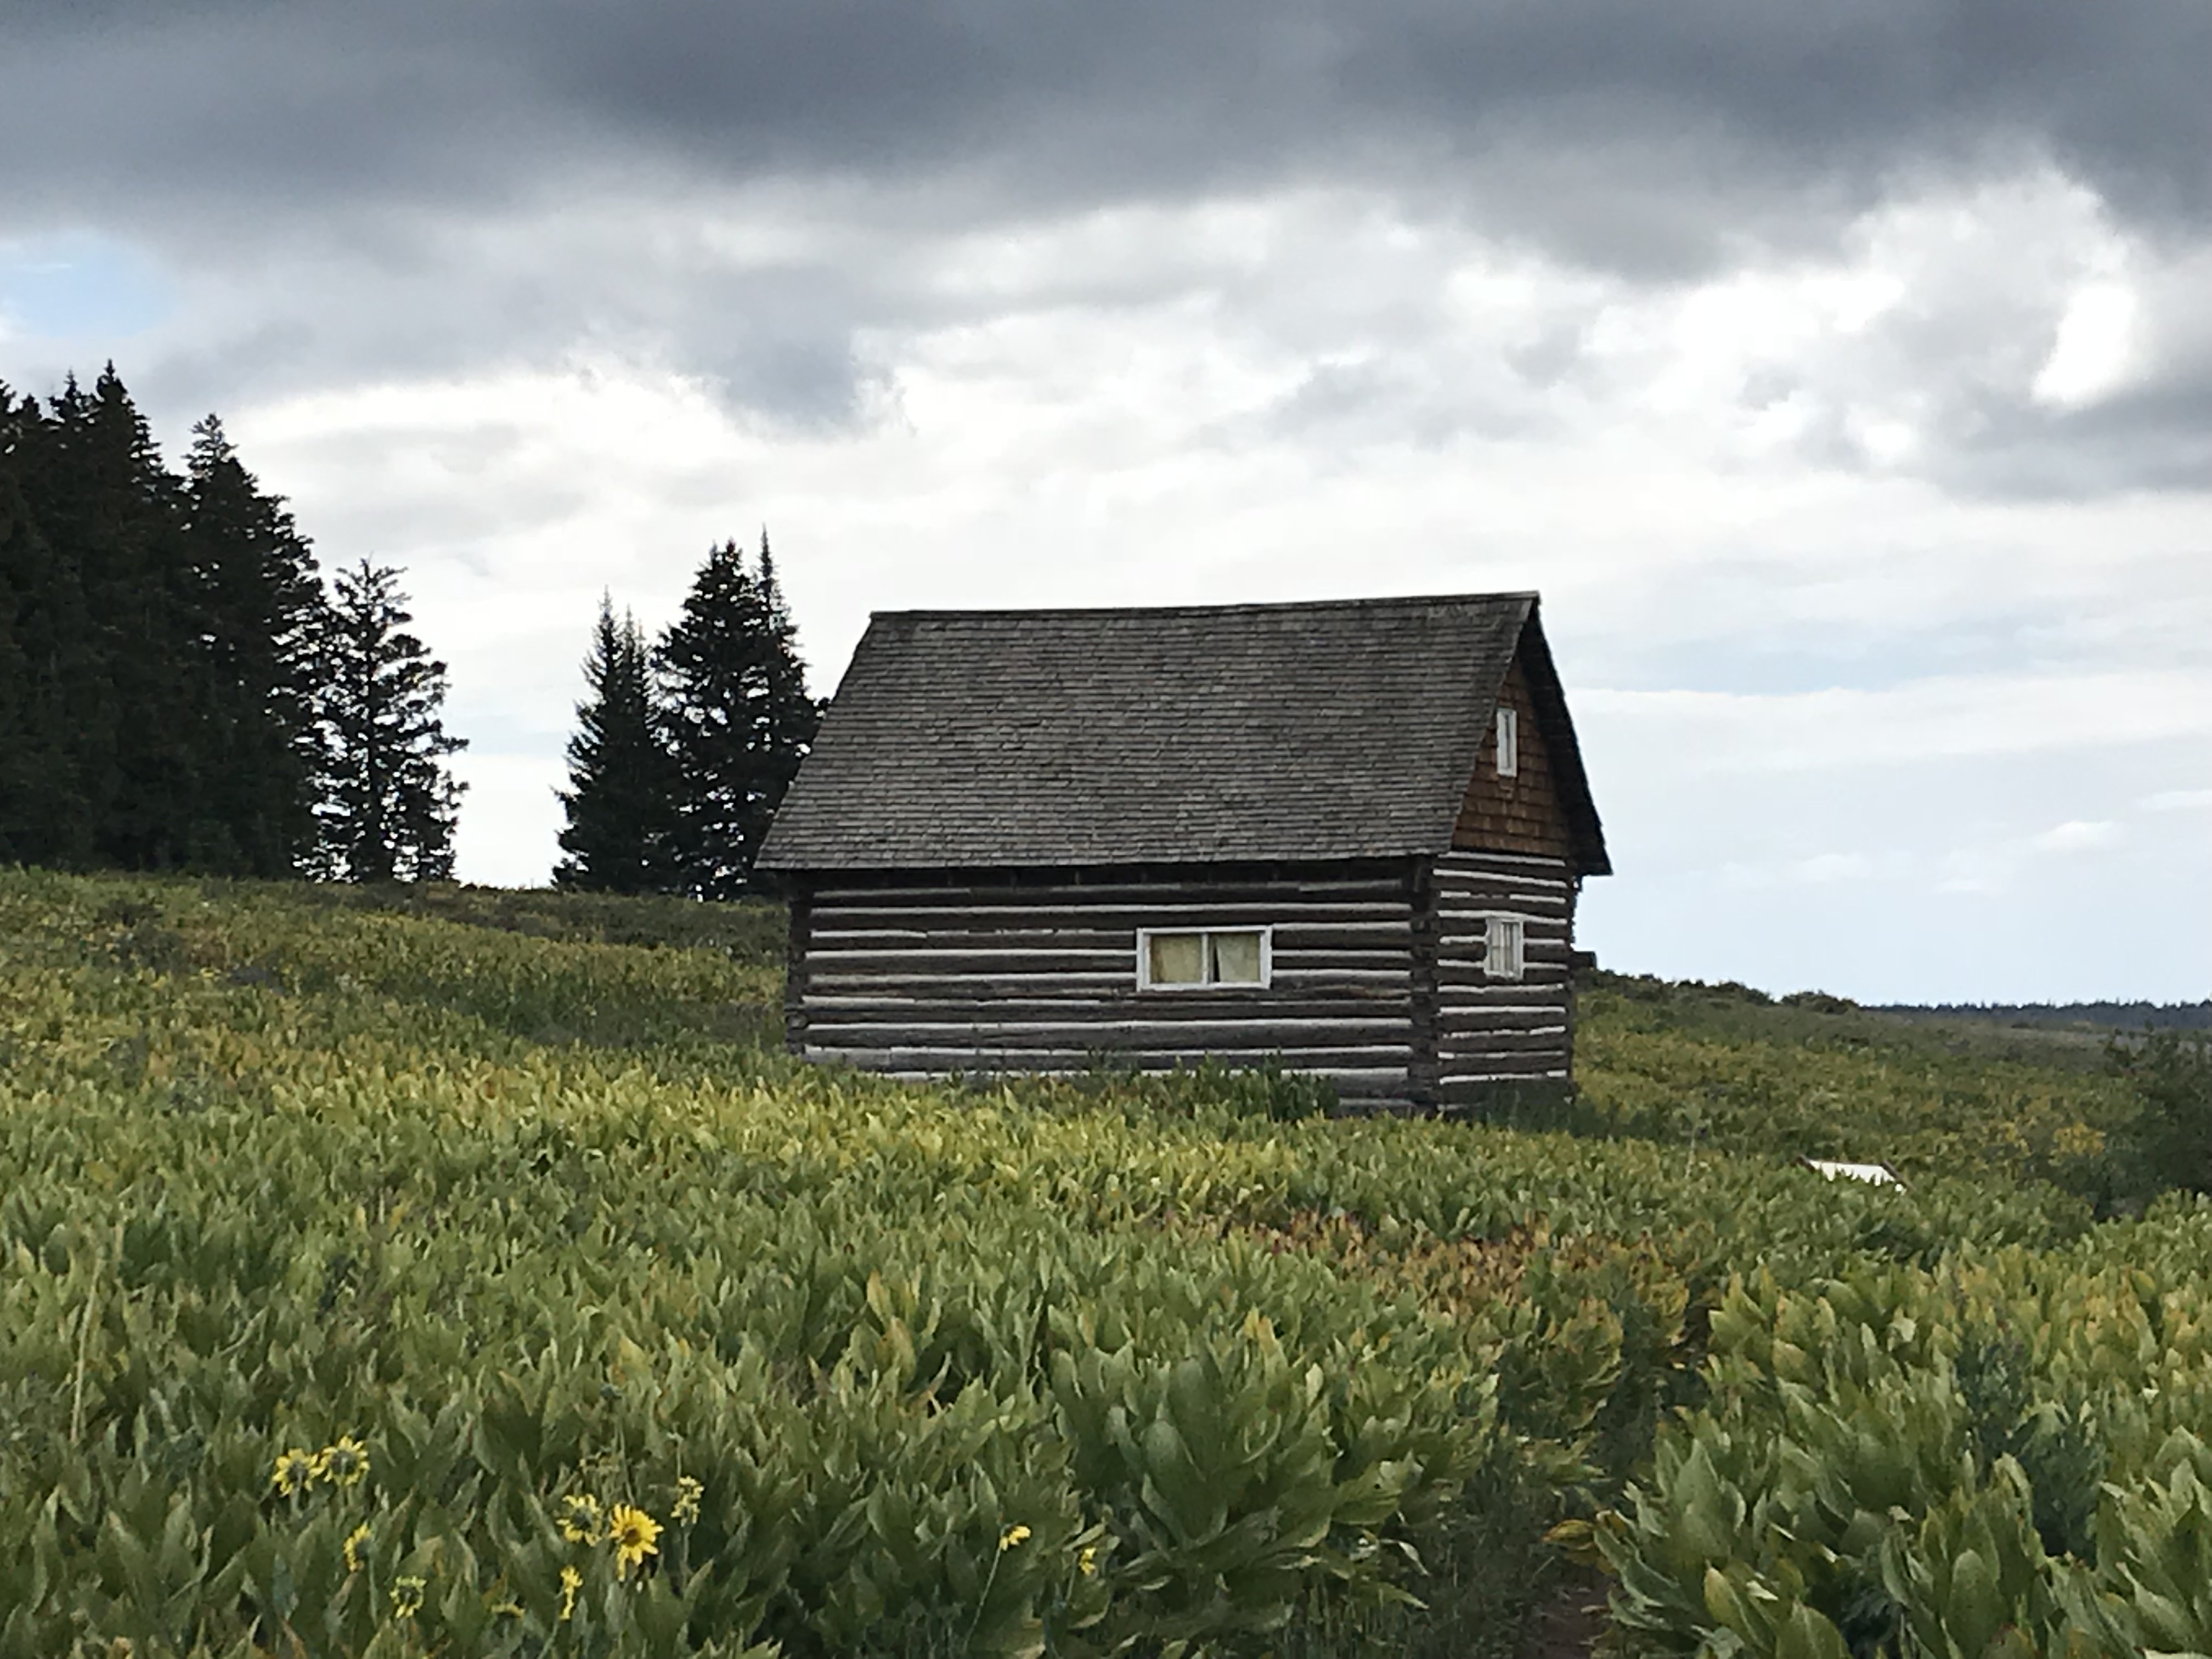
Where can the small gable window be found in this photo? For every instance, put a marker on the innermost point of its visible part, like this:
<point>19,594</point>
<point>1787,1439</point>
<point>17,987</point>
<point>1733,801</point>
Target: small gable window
<point>1179,961</point>
<point>1509,743</point>
<point>1504,947</point>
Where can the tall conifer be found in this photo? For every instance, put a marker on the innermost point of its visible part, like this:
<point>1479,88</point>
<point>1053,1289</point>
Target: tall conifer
<point>739,717</point>
<point>388,802</point>
<point>621,797</point>
<point>107,505</point>
<point>50,683</point>
<point>257,610</point>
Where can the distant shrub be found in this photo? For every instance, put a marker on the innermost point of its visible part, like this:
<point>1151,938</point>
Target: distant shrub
<point>2168,1142</point>
<point>1819,1002</point>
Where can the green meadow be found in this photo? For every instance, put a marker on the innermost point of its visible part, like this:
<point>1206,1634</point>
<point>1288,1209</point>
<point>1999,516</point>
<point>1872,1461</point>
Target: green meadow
<point>457,1272</point>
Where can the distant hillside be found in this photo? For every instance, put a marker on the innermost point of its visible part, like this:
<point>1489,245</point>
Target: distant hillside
<point>2066,1016</point>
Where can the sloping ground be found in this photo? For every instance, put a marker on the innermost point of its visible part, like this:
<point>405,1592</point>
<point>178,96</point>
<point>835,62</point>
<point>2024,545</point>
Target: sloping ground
<point>425,1273</point>
<point>1729,1070</point>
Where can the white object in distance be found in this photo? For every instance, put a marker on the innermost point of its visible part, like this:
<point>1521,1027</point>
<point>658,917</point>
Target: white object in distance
<point>1874,1175</point>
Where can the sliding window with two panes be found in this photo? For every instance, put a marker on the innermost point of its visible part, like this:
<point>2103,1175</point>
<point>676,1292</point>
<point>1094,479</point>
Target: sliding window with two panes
<point>1195,958</point>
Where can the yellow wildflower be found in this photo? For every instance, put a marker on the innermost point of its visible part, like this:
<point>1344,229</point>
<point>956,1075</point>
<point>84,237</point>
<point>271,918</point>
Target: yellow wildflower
<point>354,1540</point>
<point>632,1532</point>
<point>407,1596</point>
<point>1087,1562</point>
<point>295,1472</point>
<point>571,1581</point>
<point>1014,1534</point>
<point>344,1464</point>
<point>579,1518</point>
<point>685,1509</point>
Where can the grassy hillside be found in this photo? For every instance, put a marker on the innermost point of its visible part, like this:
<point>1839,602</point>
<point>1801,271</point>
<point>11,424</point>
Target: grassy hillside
<point>1732,1071</point>
<point>456,1273</point>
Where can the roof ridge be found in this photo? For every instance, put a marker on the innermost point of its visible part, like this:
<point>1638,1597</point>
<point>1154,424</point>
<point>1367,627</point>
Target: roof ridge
<point>1246,608</point>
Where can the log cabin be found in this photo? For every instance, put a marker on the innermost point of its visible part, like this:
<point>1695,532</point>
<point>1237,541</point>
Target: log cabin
<point>1346,837</point>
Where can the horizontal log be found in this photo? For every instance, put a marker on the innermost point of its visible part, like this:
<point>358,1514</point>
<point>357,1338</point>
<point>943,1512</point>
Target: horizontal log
<point>1259,1037</point>
<point>1382,1072</point>
<point>1383,983</point>
<point>1132,1059</point>
<point>819,980</point>
<point>1348,981</point>
<point>1077,934</point>
<point>1074,907</point>
<point>1500,1070</point>
<point>1504,901</point>
<point>1128,1004</point>
<point>1342,891</point>
<point>1292,961</point>
<point>1463,859</point>
<point>972,960</point>
<point>1478,992</point>
<point>1034,958</point>
<point>1459,1052</point>
<point>1473,976</point>
<point>1454,882</point>
<point>1476,1020</point>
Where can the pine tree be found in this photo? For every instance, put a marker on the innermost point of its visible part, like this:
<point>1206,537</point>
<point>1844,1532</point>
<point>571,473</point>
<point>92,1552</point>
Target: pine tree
<point>738,718</point>
<point>621,780</point>
<point>388,802</point>
<point>257,610</point>
<point>108,508</point>
<point>50,683</point>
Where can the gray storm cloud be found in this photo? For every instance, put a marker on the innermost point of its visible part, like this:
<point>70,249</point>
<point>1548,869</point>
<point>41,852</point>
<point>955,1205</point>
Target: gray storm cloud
<point>1738,101</point>
<point>412,187</point>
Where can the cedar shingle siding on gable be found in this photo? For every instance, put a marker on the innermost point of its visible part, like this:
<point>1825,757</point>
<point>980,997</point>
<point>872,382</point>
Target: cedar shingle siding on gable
<point>1519,814</point>
<point>1001,803</point>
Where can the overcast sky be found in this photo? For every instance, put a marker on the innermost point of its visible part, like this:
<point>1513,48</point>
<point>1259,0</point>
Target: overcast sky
<point>1842,375</point>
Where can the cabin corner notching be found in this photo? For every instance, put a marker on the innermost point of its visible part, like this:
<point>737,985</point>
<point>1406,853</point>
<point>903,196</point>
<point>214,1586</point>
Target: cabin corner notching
<point>1346,835</point>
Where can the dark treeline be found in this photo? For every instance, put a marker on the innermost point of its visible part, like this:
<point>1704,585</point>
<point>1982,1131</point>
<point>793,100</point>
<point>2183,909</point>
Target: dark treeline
<point>178,690</point>
<point>2064,1016</point>
<point>684,748</point>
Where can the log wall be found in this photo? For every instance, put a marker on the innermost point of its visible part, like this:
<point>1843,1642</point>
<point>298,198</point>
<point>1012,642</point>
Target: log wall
<point>1036,971</point>
<point>1491,1030</point>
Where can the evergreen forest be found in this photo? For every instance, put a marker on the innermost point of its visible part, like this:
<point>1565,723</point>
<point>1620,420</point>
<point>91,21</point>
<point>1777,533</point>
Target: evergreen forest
<point>181,690</point>
<point>178,689</point>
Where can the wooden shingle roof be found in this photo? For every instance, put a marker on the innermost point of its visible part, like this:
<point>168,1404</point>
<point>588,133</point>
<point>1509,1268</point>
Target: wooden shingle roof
<point>992,739</point>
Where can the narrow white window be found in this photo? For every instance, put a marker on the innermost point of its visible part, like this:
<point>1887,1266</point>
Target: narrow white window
<point>1509,743</point>
<point>1191,960</point>
<point>1504,956</point>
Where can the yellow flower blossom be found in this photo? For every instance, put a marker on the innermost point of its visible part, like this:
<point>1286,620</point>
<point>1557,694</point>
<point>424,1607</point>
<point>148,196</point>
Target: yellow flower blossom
<point>1087,1562</point>
<point>633,1533</point>
<point>685,1509</point>
<point>294,1473</point>
<point>344,1464</point>
<point>1014,1534</point>
<point>571,1581</point>
<point>354,1540</point>
<point>579,1519</point>
<point>407,1596</point>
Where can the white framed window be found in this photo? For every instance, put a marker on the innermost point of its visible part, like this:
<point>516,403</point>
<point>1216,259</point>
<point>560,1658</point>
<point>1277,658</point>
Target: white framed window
<point>1504,947</point>
<point>1509,743</point>
<point>1199,958</point>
